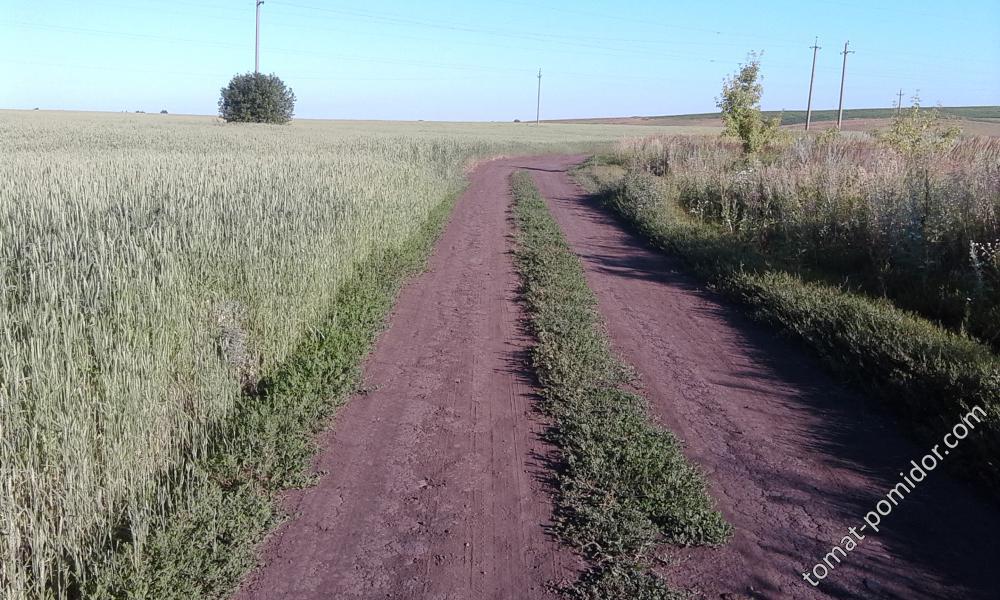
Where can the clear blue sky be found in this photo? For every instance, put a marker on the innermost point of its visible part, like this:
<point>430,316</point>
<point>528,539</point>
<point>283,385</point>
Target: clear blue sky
<point>432,59</point>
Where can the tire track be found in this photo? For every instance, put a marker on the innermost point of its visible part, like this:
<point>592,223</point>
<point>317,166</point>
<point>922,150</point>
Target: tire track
<point>432,485</point>
<point>793,458</point>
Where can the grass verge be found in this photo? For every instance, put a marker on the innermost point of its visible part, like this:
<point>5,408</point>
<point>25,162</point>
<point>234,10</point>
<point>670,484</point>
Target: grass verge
<point>203,549</point>
<point>624,484</point>
<point>927,375</point>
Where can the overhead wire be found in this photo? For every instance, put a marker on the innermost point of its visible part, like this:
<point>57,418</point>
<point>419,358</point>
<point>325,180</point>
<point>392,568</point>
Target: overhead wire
<point>592,43</point>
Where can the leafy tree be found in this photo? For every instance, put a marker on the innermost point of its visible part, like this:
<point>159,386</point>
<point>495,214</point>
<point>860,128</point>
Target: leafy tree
<point>828,136</point>
<point>740,106</point>
<point>257,98</point>
<point>918,132</point>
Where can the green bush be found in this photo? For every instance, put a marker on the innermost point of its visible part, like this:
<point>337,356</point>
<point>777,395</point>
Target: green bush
<point>257,98</point>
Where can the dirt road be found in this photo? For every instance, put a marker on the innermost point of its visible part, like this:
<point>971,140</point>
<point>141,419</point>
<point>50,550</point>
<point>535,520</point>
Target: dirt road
<point>793,459</point>
<point>432,483</point>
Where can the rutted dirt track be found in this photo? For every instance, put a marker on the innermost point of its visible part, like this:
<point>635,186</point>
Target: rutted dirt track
<point>433,483</point>
<point>793,458</point>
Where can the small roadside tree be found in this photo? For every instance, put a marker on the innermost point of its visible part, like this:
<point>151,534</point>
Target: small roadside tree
<point>740,106</point>
<point>257,98</point>
<point>918,132</point>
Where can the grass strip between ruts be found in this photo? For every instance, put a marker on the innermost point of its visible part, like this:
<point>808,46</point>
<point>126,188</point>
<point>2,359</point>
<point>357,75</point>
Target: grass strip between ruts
<point>623,483</point>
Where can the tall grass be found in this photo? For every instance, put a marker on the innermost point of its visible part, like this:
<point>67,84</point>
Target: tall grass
<point>151,270</point>
<point>924,373</point>
<point>924,233</point>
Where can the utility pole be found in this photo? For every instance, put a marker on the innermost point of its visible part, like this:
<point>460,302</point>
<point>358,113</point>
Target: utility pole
<point>538,106</point>
<point>843,75</point>
<point>899,103</point>
<point>809,103</point>
<point>256,52</point>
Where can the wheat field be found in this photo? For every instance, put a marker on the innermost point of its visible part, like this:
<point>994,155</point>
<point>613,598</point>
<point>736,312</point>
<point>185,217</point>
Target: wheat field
<point>153,266</point>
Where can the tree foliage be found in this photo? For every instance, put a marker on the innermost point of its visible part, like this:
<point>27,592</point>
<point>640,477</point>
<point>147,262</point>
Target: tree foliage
<point>257,98</point>
<point>918,132</point>
<point>740,106</point>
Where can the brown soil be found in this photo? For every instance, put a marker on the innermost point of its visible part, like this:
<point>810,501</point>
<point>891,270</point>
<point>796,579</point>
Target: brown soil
<point>433,483</point>
<point>793,458</point>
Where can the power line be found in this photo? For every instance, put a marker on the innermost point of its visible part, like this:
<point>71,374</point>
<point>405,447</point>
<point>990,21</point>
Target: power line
<point>402,62</point>
<point>385,17</point>
<point>604,50</point>
<point>573,41</point>
<point>570,49</point>
<point>343,57</point>
<point>291,75</point>
<point>360,58</point>
<point>340,57</point>
<point>896,14</point>
<point>342,15</point>
<point>121,34</point>
<point>648,23</point>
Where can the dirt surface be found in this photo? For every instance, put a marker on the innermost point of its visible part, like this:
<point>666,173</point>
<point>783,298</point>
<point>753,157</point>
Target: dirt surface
<point>793,459</point>
<point>433,483</point>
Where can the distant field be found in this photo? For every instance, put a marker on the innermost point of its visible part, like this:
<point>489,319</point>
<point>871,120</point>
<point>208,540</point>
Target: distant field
<point>524,134</point>
<point>975,120</point>
<point>795,117</point>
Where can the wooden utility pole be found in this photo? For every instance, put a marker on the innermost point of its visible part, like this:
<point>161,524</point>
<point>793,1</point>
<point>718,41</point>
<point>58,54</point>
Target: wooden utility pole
<point>538,106</point>
<point>899,103</point>
<point>843,75</point>
<point>256,52</point>
<point>812,78</point>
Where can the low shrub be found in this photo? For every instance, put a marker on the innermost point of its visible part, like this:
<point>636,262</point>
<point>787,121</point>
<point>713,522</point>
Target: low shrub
<point>257,98</point>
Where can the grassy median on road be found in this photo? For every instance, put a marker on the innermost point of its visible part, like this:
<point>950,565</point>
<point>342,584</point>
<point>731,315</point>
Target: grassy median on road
<point>624,485</point>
